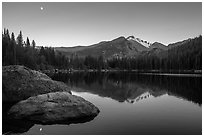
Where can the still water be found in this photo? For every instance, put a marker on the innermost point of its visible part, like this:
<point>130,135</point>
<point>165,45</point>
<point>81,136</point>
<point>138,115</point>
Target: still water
<point>132,103</point>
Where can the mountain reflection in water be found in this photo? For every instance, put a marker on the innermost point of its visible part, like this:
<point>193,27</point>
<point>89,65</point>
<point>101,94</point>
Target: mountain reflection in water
<point>132,87</point>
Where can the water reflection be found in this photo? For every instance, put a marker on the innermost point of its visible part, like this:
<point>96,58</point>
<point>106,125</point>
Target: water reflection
<point>129,103</point>
<point>132,87</point>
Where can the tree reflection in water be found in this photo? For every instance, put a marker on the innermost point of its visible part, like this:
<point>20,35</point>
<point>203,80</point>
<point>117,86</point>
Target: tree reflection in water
<point>131,87</point>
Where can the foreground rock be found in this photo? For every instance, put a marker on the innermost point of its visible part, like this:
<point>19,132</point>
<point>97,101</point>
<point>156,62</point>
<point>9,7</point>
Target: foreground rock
<point>19,83</point>
<point>58,107</point>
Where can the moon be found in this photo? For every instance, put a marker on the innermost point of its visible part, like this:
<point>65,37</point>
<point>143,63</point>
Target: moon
<point>41,8</point>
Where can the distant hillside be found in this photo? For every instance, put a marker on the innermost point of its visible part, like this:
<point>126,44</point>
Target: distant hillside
<point>179,43</point>
<point>157,45</point>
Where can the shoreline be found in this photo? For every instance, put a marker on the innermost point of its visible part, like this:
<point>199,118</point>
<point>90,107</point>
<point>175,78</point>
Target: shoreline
<point>146,72</point>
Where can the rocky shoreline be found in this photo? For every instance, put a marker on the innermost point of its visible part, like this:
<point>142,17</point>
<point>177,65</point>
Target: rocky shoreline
<point>42,100</point>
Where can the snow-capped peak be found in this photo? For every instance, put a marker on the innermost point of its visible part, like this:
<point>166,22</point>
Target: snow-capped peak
<point>142,42</point>
<point>139,98</point>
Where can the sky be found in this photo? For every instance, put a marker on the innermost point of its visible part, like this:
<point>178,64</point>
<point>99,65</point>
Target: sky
<point>72,24</point>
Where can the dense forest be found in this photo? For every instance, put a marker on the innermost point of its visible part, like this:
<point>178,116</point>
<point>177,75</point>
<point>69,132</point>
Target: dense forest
<point>187,56</point>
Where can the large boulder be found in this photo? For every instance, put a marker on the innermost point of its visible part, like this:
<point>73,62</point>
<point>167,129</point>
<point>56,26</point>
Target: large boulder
<point>19,83</point>
<point>54,108</point>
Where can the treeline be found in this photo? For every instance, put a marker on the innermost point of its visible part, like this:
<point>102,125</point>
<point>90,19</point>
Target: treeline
<point>16,51</point>
<point>187,56</point>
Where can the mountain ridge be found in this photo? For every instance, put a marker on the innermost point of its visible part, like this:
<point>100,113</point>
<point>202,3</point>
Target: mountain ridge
<point>118,47</point>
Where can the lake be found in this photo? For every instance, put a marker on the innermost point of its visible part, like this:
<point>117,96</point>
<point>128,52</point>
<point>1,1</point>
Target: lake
<point>129,103</point>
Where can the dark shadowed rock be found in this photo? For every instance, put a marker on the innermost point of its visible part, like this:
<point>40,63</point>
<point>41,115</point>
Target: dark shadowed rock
<point>13,126</point>
<point>58,107</point>
<point>19,83</point>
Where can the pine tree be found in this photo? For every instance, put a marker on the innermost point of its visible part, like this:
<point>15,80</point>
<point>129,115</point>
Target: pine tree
<point>27,42</point>
<point>13,48</point>
<point>20,40</point>
<point>8,35</point>
<point>33,44</point>
<point>19,49</point>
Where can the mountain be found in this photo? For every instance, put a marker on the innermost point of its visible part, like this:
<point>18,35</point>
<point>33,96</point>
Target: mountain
<point>120,47</point>
<point>109,48</point>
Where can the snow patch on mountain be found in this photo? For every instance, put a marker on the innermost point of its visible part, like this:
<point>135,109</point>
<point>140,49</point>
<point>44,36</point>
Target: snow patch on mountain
<point>145,95</point>
<point>142,42</point>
